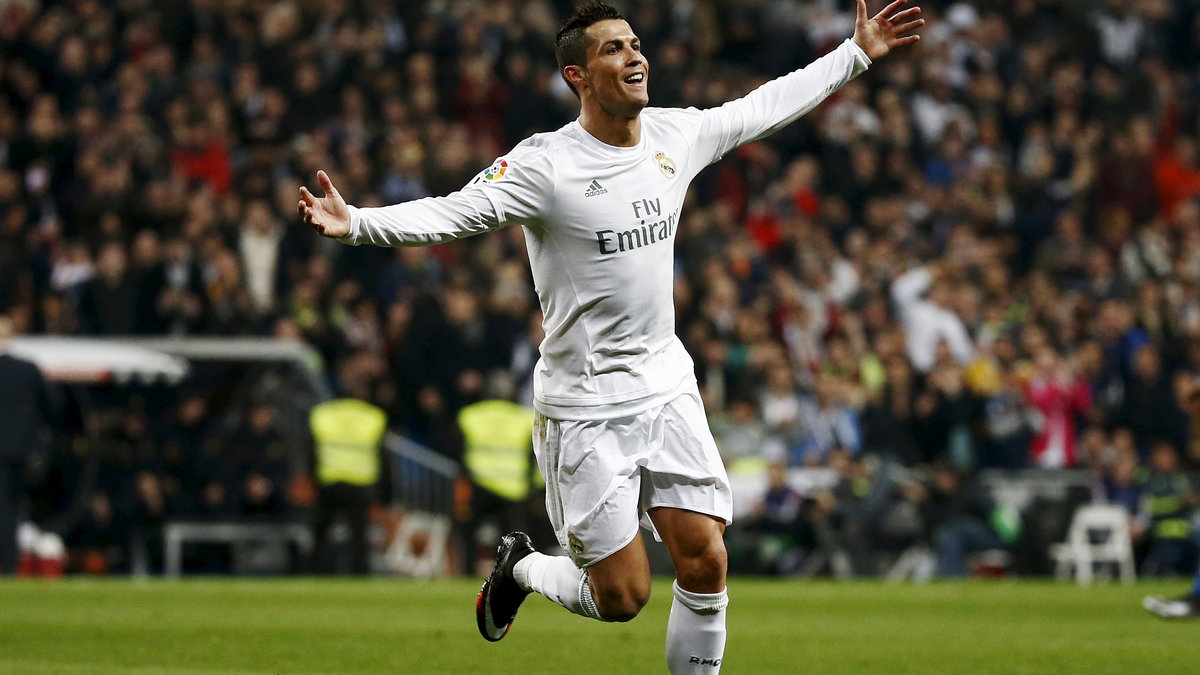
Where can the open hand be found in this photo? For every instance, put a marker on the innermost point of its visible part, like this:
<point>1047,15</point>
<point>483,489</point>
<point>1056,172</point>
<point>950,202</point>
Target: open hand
<point>886,30</point>
<point>328,215</point>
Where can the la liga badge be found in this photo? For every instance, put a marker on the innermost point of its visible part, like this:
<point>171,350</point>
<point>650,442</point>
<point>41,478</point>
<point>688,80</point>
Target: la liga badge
<point>496,171</point>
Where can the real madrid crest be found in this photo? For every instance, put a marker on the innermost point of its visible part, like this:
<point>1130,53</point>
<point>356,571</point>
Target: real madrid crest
<point>574,544</point>
<point>665,164</point>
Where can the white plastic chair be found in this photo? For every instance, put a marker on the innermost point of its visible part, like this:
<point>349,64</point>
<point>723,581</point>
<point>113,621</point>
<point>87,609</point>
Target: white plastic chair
<point>916,563</point>
<point>1099,533</point>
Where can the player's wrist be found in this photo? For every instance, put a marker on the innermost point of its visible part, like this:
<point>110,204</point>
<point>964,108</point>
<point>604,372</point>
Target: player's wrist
<point>349,225</point>
<point>871,50</point>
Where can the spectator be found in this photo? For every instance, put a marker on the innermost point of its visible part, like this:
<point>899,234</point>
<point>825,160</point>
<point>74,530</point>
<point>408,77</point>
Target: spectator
<point>200,156</point>
<point>347,433</point>
<point>498,454</point>
<point>1168,497</point>
<point>959,517</point>
<point>777,525</point>
<point>1008,426</point>
<point>1120,486</point>
<point>1175,169</point>
<point>266,464</point>
<point>1149,408</point>
<point>889,417</point>
<point>186,447</point>
<point>260,256</point>
<point>125,501</point>
<point>24,409</point>
<point>1058,396</point>
<point>929,322</point>
<point>944,416</point>
<point>781,404</point>
<point>829,423</point>
<point>743,439</point>
<point>109,302</point>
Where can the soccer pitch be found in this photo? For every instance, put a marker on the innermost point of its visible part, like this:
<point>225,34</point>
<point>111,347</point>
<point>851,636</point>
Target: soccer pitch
<point>420,627</point>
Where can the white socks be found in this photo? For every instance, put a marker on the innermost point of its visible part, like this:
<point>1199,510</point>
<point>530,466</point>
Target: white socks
<point>557,578</point>
<point>696,632</point>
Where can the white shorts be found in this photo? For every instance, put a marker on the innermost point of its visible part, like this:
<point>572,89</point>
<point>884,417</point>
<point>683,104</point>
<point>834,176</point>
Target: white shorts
<point>603,476</point>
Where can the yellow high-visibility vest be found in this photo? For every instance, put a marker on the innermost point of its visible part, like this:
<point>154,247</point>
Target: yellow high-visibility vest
<point>498,436</point>
<point>347,433</point>
<point>1172,528</point>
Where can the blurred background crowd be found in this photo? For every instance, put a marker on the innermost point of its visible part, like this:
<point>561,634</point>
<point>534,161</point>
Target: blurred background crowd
<point>983,254</point>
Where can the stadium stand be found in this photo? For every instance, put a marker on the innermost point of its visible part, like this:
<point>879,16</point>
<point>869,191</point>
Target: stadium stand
<point>984,257</point>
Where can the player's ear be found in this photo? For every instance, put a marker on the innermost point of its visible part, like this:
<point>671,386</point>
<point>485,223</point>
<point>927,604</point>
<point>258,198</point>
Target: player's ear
<point>576,75</point>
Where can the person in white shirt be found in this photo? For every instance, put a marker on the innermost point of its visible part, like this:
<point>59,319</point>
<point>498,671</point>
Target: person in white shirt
<point>928,320</point>
<point>621,435</point>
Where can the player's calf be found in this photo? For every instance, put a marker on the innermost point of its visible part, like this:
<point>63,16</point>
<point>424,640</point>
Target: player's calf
<point>620,583</point>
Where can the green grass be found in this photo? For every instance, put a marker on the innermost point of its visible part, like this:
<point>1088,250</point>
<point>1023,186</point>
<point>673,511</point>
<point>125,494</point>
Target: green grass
<point>426,627</point>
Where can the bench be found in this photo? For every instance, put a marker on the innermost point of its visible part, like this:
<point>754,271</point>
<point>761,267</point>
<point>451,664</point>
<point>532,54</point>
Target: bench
<point>176,534</point>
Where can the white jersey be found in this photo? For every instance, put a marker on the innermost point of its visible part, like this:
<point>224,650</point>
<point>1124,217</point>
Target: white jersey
<point>600,224</point>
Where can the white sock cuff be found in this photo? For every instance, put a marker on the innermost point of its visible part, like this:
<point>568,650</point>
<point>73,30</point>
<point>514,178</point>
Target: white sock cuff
<point>586,602</point>
<point>701,603</point>
<point>523,570</point>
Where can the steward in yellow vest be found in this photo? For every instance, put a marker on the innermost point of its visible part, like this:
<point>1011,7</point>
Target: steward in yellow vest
<point>1169,499</point>
<point>497,437</point>
<point>498,440</point>
<point>346,433</point>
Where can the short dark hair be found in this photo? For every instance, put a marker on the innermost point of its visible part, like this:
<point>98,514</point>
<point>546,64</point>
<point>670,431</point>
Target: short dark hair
<point>570,43</point>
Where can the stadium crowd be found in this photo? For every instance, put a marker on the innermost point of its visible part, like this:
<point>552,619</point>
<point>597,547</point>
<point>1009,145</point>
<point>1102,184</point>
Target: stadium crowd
<point>984,255</point>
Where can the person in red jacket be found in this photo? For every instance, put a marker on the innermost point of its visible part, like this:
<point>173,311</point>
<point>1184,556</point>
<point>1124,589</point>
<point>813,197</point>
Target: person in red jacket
<point>203,157</point>
<point>1056,393</point>
<point>1175,170</point>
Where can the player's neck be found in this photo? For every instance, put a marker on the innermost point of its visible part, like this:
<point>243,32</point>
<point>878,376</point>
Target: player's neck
<point>622,132</point>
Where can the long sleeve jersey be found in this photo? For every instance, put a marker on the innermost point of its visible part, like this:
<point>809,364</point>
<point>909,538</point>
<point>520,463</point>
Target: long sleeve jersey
<point>600,224</point>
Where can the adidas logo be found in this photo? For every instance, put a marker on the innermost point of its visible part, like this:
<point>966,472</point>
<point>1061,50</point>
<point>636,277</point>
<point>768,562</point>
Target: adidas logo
<point>595,189</point>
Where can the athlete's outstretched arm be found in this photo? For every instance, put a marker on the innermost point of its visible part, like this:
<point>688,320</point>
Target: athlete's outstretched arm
<point>783,100</point>
<point>515,189</point>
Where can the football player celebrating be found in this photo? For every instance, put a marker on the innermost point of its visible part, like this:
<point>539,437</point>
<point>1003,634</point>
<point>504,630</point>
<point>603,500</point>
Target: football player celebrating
<point>621,436</point>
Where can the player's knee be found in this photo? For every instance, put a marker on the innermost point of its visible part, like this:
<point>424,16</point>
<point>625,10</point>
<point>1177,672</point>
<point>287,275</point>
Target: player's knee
<point>620,611</point>
<point>623,604</point>
<point>704,571</point>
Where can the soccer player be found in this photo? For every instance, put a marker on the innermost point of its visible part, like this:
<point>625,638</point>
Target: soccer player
<point>620,435</point>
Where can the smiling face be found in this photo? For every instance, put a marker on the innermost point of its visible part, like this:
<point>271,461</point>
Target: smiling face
<point>617,72</point>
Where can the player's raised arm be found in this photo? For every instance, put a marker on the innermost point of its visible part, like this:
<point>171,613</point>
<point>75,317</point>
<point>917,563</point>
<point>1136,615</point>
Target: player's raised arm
<point>328,215</point>
<point>781,101</point>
